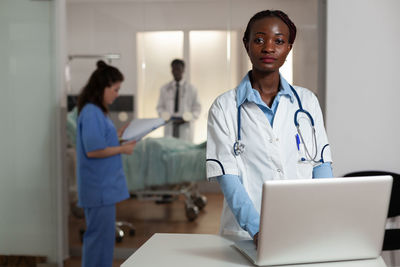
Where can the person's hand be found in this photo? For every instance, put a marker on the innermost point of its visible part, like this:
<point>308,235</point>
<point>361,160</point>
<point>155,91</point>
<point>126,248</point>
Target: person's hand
<point>122,129</point>
<point>255,240</point>
<point>127,148</point>
<point>180,121</point>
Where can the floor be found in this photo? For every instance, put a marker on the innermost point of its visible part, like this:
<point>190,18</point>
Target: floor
<point>149,218</point>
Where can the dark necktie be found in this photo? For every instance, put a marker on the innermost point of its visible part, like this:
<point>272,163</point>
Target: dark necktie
<point>175,126</point>
<point>176,107</point>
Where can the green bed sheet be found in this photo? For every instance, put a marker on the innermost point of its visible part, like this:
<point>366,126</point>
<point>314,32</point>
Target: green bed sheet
<point>164,161</point>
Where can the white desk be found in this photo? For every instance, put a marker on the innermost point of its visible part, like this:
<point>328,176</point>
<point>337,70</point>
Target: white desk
<point>196,250</point>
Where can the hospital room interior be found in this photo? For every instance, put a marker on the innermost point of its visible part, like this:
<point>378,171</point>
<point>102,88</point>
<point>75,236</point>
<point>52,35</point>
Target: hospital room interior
<point>346,52</point>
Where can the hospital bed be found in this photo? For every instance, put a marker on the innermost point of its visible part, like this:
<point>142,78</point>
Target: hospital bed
<point>163,168</point>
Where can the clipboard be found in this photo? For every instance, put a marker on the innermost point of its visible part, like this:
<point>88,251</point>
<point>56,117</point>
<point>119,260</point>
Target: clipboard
<point>138,128</point>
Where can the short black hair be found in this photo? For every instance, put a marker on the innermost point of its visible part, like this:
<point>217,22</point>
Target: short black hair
<point>178,61</point>
<point>271,13</point>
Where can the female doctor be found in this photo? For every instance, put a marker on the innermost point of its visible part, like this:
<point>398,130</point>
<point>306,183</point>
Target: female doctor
<point>264,129</point>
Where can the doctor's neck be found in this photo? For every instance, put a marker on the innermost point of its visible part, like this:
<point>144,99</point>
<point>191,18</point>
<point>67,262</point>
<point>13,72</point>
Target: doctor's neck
<point>265,83</point>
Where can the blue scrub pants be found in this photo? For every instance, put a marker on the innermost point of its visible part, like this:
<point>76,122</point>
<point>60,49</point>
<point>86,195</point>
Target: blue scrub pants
<point>99,237</point>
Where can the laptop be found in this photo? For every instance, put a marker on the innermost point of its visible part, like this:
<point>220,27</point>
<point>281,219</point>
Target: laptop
<point>320,220</point>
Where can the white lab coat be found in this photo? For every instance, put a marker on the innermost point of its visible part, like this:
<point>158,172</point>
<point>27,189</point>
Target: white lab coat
<point>188,102</point>
<point>269,154</point>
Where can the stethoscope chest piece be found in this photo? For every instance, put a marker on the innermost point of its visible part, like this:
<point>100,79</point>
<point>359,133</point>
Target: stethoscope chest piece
<point>238,148</point>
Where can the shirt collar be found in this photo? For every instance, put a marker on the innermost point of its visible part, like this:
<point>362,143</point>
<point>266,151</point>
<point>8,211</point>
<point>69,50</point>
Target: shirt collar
<point>181,82</point>
<point>245,91</point>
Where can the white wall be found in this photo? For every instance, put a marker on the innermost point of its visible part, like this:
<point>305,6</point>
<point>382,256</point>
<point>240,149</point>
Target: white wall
<point>363,84</point>
<point>103,27</point>
<point>28,136</point>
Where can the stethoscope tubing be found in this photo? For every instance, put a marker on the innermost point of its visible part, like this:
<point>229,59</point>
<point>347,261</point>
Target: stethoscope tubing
<point>239,123</point>
<point>238,147</point>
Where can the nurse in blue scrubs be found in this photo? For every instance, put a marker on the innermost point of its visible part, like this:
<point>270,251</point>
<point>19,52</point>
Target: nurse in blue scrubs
<point>101,178</point>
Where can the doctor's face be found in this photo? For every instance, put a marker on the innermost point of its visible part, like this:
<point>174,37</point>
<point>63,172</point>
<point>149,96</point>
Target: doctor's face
<point>177,72</point>
<point>268,44</point>
<point>111,93</point>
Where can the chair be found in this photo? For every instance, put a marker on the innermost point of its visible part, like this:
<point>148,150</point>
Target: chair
<point>391,240</point>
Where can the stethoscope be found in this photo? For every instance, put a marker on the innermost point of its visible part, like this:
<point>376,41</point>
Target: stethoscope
<point>238,146</point>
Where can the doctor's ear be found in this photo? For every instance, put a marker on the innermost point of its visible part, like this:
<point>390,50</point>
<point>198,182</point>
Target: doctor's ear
<point>246,44</point>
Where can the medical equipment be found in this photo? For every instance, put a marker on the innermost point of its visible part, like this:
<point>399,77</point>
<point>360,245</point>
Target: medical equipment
<point>160,167</point>
<point>238,146</point>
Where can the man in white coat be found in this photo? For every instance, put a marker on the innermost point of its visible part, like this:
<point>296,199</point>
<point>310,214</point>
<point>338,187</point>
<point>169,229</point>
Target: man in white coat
<point>178,101</point>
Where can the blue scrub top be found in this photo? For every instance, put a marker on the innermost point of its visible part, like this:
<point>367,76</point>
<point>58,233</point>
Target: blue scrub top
<point>101,181</point>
